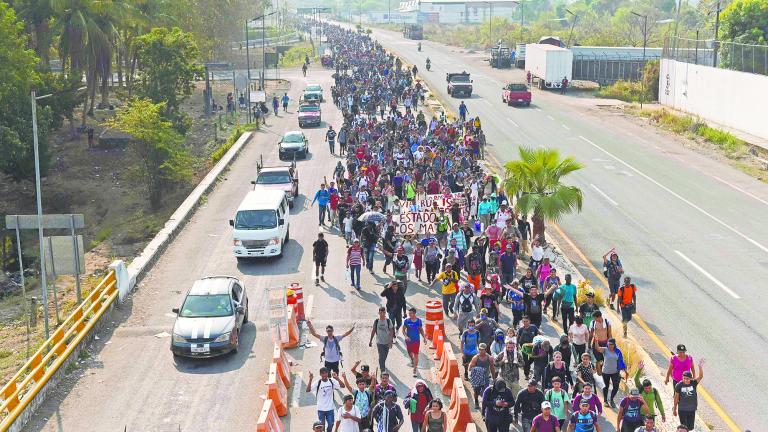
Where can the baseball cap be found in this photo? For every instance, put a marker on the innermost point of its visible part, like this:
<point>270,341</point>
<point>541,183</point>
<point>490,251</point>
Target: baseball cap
<point>546,404</point>
<point>584,402</point>
<point>634,392</point>
<point>365,368</point>
<point>688,374</point>
<point>681,347</point>
<point>533,382</point>
<point>317,424</point>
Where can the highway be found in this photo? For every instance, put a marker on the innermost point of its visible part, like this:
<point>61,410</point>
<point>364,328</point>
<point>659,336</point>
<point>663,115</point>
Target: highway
<point>690,230</point>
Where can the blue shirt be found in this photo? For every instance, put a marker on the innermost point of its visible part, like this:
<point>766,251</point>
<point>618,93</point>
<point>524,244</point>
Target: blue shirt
<point>584,422</point>
<point>412,329</point>
<point>322,197</point>
<point>470,342</point>
<point>508,262</point>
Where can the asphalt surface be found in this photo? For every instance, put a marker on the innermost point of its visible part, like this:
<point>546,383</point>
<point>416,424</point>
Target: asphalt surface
<point>690,230</point>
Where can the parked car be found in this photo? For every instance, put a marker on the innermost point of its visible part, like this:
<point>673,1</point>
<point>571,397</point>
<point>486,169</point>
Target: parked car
<point>310,114</point>
<point>210,318</point>
<point>293,144</point>
<point>516,93</point>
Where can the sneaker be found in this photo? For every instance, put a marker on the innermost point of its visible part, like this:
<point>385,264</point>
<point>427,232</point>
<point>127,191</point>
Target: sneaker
<point>612,403</point>
<point>322,278</point>
<point>317,282</point>
<point>358,287</point>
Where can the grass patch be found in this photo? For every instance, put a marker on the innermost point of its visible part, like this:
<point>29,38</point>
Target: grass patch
<point>631,354</point>
<point>102,234</point>
<point>627,91</point>
<point>224,148</point>
<point>295,56</point>
<point>682,124</point>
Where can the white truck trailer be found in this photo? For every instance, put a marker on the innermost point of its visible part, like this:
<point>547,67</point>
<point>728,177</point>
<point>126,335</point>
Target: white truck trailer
<point>548,64</point>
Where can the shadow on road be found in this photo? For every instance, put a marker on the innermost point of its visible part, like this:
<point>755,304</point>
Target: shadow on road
<point>287,264</point>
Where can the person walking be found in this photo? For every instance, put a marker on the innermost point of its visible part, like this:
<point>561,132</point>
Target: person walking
<point>362,398</point>
<point>612,270</point>
<point>498,400</point>
<point>525,335</point>
<point>413,331</point>
<point>567,295</point>
<point>355,260</point>
<point>508,364</point>
<point>589,397</point>
<point>464,306</point>
<point>678,364</point>
<point>330,138</point>
<point>320,257</point>
<point>649,425</point>
<point>348,418</point>
<point>463,111</point>
<point>449,280</point>
<point>304,69</point>
<point>578,333</point>
<point>275,105</point>
<point>559,401</point>
<point>630,415</point>
<point>387,414</point>
<point>369,237</point>
<point>545,422</point>
<point>436,420</point>
<point>588,308</point>
<point>417,403</point>
<point>468,343</point>
<point>583,419</point>
<point>687,397</point>
<point>384,332</point>
<point>400,266</point>
<point>585,374</point>
<point>626,302</point>
<point>331,353</point>
<point>613,365</point>
<point>528,405</point>
<point>650,395</point>
<point>322,197</point>
<point>285,100</point>
<point>394,303</point>
<point>481,370</point>
<point>323,390</point>
<point>432,259</point>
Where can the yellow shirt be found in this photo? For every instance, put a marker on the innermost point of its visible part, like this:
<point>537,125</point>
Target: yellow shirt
<point>450,281</point>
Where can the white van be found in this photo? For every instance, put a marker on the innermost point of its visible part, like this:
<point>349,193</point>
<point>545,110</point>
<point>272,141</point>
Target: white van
<point>261,227</point>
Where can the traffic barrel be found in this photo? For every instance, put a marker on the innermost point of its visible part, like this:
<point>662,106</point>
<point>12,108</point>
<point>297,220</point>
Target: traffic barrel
<point>438,340</point>
<point>434,317</point>
<point>299,292</point>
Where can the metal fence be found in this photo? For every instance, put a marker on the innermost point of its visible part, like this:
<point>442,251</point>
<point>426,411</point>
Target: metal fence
<point>607,69</point>
<point>720,54</point>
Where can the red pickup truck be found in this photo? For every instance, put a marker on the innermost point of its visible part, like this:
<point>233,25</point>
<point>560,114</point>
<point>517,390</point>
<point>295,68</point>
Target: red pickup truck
<point>516,93</point>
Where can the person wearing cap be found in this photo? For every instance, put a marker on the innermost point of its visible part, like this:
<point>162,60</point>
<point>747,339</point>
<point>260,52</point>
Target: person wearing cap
<point>679,363</point>
<point>613,365</point>
<point>686,397</point>
<point>650,395</point>
<point>631,409</point>
<point>528,404</point>
<point>583,419</point>
<point>449,280</point>
<point>545,422</point>
<point>498,399</point>
<point>318,427</point>
<point>387,414</point>
<point>497,347</point>
<point>649,425</point>
<point>348,416</point>
<point>588,308</point>
<point>365,372</point>
<point>486,326</point>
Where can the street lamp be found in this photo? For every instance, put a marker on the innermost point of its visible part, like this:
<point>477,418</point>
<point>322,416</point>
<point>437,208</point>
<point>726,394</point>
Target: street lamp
<point>573,24</point>
<point>248,56</point>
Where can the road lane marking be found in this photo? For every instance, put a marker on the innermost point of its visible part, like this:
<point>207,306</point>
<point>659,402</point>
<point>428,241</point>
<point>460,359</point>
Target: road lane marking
<point>550,117</point>
<point>708,275</point>
<point>604,195</point>
<point>741,190</point>
<point>566,127</point>
<point>654,337</point>
<point>678,196</point>
<point>538,109</point>
<point>296,393</point>
<point>485,101</point>
<point>513,122</point>
<point>310,303</point>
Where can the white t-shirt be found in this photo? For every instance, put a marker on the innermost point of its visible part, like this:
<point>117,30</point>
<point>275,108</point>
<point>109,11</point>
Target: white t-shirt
<point>537,253</point>
<point>348,224</point>
<point>324,394</point>
<point>579,334</point>
<point>348,425</point>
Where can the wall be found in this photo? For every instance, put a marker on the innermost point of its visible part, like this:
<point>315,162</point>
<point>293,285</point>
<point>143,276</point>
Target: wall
<point>731,98</point>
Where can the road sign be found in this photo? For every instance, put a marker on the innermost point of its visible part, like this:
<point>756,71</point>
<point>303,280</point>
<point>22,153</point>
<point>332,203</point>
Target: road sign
<point>309,10</point>
<point>50,221</point>
<point>278,314</point>
<point>60,253</point>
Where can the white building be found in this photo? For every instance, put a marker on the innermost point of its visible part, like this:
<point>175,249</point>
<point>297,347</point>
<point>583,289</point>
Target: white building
<point>458,11</point>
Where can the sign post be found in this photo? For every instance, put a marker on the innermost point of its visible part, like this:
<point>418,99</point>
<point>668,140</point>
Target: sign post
<point>278,316</point>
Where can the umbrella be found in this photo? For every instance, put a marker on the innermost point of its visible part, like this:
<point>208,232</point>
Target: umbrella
<point>371,216</point>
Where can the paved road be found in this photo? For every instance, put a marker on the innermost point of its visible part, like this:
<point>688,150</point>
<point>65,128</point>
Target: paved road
<point>690,230</point>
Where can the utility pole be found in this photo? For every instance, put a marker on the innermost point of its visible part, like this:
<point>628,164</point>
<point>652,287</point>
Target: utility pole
<point>717,30</point>
<point>522,14</point>
<point>573,24</point>
<point>645,42</point>
<point>39,199</point>
<point>248,66</point>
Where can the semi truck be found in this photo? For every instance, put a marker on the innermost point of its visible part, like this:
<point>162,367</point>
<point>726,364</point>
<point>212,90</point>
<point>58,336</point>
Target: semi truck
<point>548,64</point>
<point>520,56</point>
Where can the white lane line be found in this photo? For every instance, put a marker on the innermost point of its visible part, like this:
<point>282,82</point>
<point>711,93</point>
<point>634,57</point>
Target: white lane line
<point>566,127</point>
<point>604,195</point>
<point>538,109</point>
<point>310,303</point>
<point>487,102</point>
<point>741,190</point>
<point>296,393</point>
<point>708,275</point>
<point>678,196</point>
<point>513,122</point>
<point>550,117</point>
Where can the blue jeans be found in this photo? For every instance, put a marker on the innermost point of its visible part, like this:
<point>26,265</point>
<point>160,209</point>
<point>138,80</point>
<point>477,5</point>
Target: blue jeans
<point>354,274</point>
<point>369,253</point>
<point>322,209</point>
<point>326,417</point>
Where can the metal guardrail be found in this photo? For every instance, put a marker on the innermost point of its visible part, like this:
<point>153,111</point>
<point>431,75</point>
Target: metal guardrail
<point>19,392</point>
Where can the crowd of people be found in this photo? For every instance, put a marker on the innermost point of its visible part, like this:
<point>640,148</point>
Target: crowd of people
<point>399,165</point>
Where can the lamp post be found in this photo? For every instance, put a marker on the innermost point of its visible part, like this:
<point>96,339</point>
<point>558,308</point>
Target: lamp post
<point>263,48</point>
<point>573,24</point>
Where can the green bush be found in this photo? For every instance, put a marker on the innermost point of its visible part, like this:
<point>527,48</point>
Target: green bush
<point>295,56</point>
<point>222,149</point>
<point>721,138</point>
<point>686,124</point>
<point>627,91</point>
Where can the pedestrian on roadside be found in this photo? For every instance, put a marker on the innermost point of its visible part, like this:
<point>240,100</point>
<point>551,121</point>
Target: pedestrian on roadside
<point>320,257</point>
<point>508,364</point>
<point>585,374</point>
<point>481,371</point>
<point>394,303</point>
<point>626,302</point>
<point>436,420</point>
<point>589,397</point>
<point>516,303</point>
<point>384,331</point>
<point>355,261</point>
<point>432,259</point>
<point>687,397</point>
<point>567,295</point>
<point>559,401</point>
<point>545,422</point>
<point>588,308</point>
<point>564,348</point>
<point>322,197</point>
<point>678,364</point>
<point>362,400</point>
<point>583,419</point>
<point>528,405</point>
<point>387,414</point>
<point>413,330</point>
<point>400,266</point>
<point>285,102</point>
<point>613,365</point>
<point>275,105</point>
<point>599,334</point>
<point>348,417</point>
<point>324,390</point>
<point>304,69</point>
<point>468,343</point>
<point>331,353</point>
<point>525,335</point>
<point>630,415</point>
<point>417,403</point>
<point>449,280</point>
<point>498,401</point>
<point>486,326</point>
<point>578,333</point>
<point>651,396</point>
<point>612,270</point>
<point>464,306</point>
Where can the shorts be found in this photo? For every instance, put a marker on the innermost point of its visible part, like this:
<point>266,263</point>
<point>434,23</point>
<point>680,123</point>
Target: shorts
<point>332,367</point>
<point>613,286</point>
<point>413,347</point>
<point>320,261</point>
<point>626,313</point>
<point>598,354</point>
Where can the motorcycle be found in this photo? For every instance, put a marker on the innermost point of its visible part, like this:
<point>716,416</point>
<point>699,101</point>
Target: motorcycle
<point>429,65</point>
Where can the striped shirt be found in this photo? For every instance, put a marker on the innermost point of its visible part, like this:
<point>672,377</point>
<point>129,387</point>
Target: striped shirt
<point>355,256</point>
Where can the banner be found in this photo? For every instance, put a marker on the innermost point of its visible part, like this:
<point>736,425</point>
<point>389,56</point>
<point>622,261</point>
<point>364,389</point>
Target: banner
<point>442,201</point>
<point>424,221</point>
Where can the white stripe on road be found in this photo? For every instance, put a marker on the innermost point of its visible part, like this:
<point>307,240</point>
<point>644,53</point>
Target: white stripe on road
<point>550,117</point>
<point>566,127</point>
<point>485,101</point>
<point>708,275</point>
<point>741,190</point>
<point>310,303</point>
<point>513,122</point>
<point>678,196</point>
<point>604,195</point>
<point>538,109</point>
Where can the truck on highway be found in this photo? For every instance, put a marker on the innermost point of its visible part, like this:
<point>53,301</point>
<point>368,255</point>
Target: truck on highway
<point>520,57</point>
<point>500,57</point>
<point>548,64</point>
<point>516,93</point>
<point>413,31</point>
<point>459,84</point>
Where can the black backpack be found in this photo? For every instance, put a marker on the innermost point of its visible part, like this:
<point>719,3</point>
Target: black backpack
<point>325,343</point>
<point>467,303</point>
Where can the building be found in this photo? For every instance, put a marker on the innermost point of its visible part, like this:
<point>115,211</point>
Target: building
<point>458,11</point>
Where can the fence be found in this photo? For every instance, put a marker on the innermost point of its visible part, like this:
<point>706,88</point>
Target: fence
<point>605,70</point>
<point>724,55</point>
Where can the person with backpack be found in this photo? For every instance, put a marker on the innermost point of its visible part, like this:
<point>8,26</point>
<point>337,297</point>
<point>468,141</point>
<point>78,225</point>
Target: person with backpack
<point>464,306</point>
<point>330,138</point>
<point>498,401</point>
<point>417,402</point>
<point>331,353</point>
<point>630,415</point>
<point>469,341</point>
<point>387,414</point>
<point>626,302</point>
<point>394,303</point>
<point>320,257</point>
<point>400,266</point>
<point>559,401</point>
<point>599,334</point>
<point>323,390</point>
<point>583,420</point>
<point>649,393</point>
<point>384,331</point>
<point>528,404</point>
<point>369,237</point>
<point>525,335</point>
<point>362,398</point>
<point>322,196</point>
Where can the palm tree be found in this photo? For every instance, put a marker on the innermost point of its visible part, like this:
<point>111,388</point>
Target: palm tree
<point>536,180</point>
<point>37,15</point>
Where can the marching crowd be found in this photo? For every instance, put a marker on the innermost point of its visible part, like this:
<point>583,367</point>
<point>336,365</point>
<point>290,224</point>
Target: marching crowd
<point>494,277</point>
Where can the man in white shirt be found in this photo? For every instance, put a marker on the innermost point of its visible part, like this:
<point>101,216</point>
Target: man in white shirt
<point>348,416</point>
<point>323,390</point>
<point>579,335</point>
